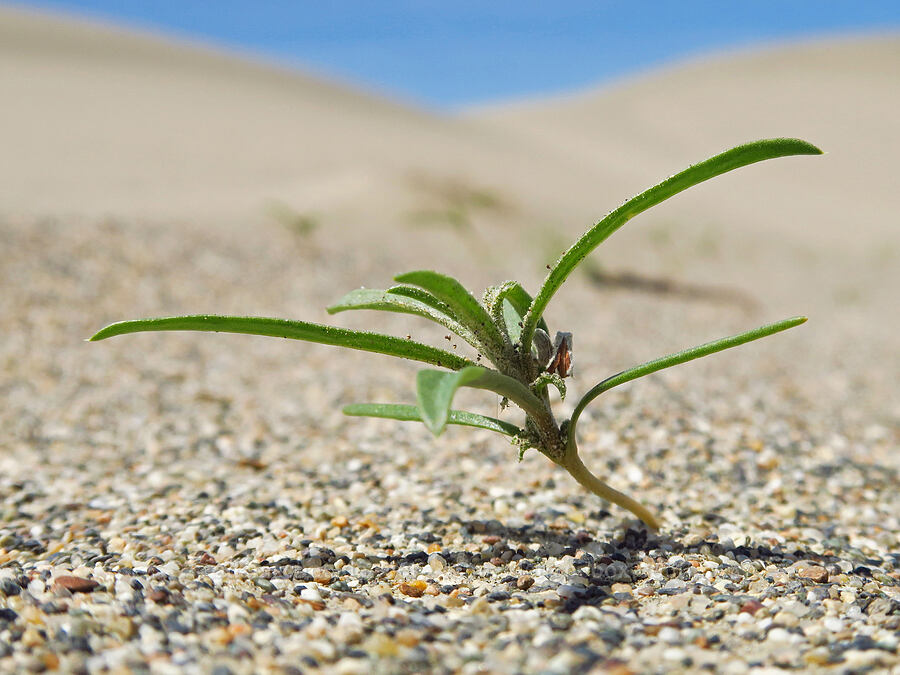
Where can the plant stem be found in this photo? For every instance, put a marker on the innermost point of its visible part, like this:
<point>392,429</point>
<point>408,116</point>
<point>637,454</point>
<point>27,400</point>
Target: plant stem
<point>573,464</point>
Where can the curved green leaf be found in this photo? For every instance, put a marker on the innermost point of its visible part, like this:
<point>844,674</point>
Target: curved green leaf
<point>410,413</point>
<point>463,305</point>
<point>435,390</point>
<point>676,359</point>
<point>698,173</point>
<point>365,298</point>
<point>507,304</point>
<point>422,296</point>
<point>295,330</point>
<point>545,379</point>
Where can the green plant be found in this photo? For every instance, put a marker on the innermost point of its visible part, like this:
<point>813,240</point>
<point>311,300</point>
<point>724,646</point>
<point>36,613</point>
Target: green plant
<point>507,328</point>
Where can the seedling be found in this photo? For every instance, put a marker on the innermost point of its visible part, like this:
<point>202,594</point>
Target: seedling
<point>507,328</point>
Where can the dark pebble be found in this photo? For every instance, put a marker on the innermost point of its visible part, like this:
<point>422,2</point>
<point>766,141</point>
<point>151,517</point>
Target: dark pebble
<point>53,608</point>
<point>612,636</point>
<point>9,587</point>
<point>8,615</point>
<point>497,596</point>
<point>261,620</point>
<point>862,643</point>
<point>173,624</point>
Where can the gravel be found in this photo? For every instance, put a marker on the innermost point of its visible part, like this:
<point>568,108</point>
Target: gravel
<point>196,503</point>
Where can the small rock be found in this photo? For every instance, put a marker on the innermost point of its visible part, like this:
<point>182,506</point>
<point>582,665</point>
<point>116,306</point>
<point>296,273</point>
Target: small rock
<point>416,589</point>
<point>751,607</point>
<point>816,573</point>
<point>8,587</point>
<point>784,618</point>
<point>76,584</point>
<point>820,656</point>
<point>524,582</point>
<point>321,575</point>
<point>311,595</point>
<point>31,638</point>
<point>159,595</point>
<point>669,635</point>
<point>567,591</point>
<point>264,584</point>
<point>833,624</point>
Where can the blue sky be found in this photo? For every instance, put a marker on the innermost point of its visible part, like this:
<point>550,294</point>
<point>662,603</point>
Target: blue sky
<point>451,53</point>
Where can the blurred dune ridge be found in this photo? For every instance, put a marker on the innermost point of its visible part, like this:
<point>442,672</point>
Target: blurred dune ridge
<point>98,121</point>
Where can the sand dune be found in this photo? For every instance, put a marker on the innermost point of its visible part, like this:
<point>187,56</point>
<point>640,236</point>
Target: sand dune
<point>98,121</point>
<point>836,93</point>
<point>102,121</point>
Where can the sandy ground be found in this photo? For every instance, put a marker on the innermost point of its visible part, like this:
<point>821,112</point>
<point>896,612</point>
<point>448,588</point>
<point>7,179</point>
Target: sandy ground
<point>142,178</point>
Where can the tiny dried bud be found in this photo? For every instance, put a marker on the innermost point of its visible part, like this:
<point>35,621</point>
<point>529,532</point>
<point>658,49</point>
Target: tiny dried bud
<point>562,359</point>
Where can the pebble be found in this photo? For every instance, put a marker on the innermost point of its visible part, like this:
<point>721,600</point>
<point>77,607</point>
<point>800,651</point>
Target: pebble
<point>816,573</point>
<point>524,582</point>
<point>75,584</point>
<point>415,589</point>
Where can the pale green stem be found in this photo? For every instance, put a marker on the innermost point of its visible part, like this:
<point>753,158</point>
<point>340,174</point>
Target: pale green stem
<point>573,464</point>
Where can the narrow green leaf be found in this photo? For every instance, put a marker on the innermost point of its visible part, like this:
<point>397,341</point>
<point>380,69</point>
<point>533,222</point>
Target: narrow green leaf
<point>698,173</point>
<point>365,298</point>
<point>422,296</point>
<point>295,330</point>
<point>435,390</point>
<point>410,413</point>
<point>676,359</point>
<point>465,308</point>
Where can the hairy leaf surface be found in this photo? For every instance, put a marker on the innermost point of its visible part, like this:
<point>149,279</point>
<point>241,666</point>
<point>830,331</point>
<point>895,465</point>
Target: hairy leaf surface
<point>295,330</point>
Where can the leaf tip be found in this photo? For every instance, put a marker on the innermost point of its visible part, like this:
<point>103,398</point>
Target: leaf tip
<point>809,148</point>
